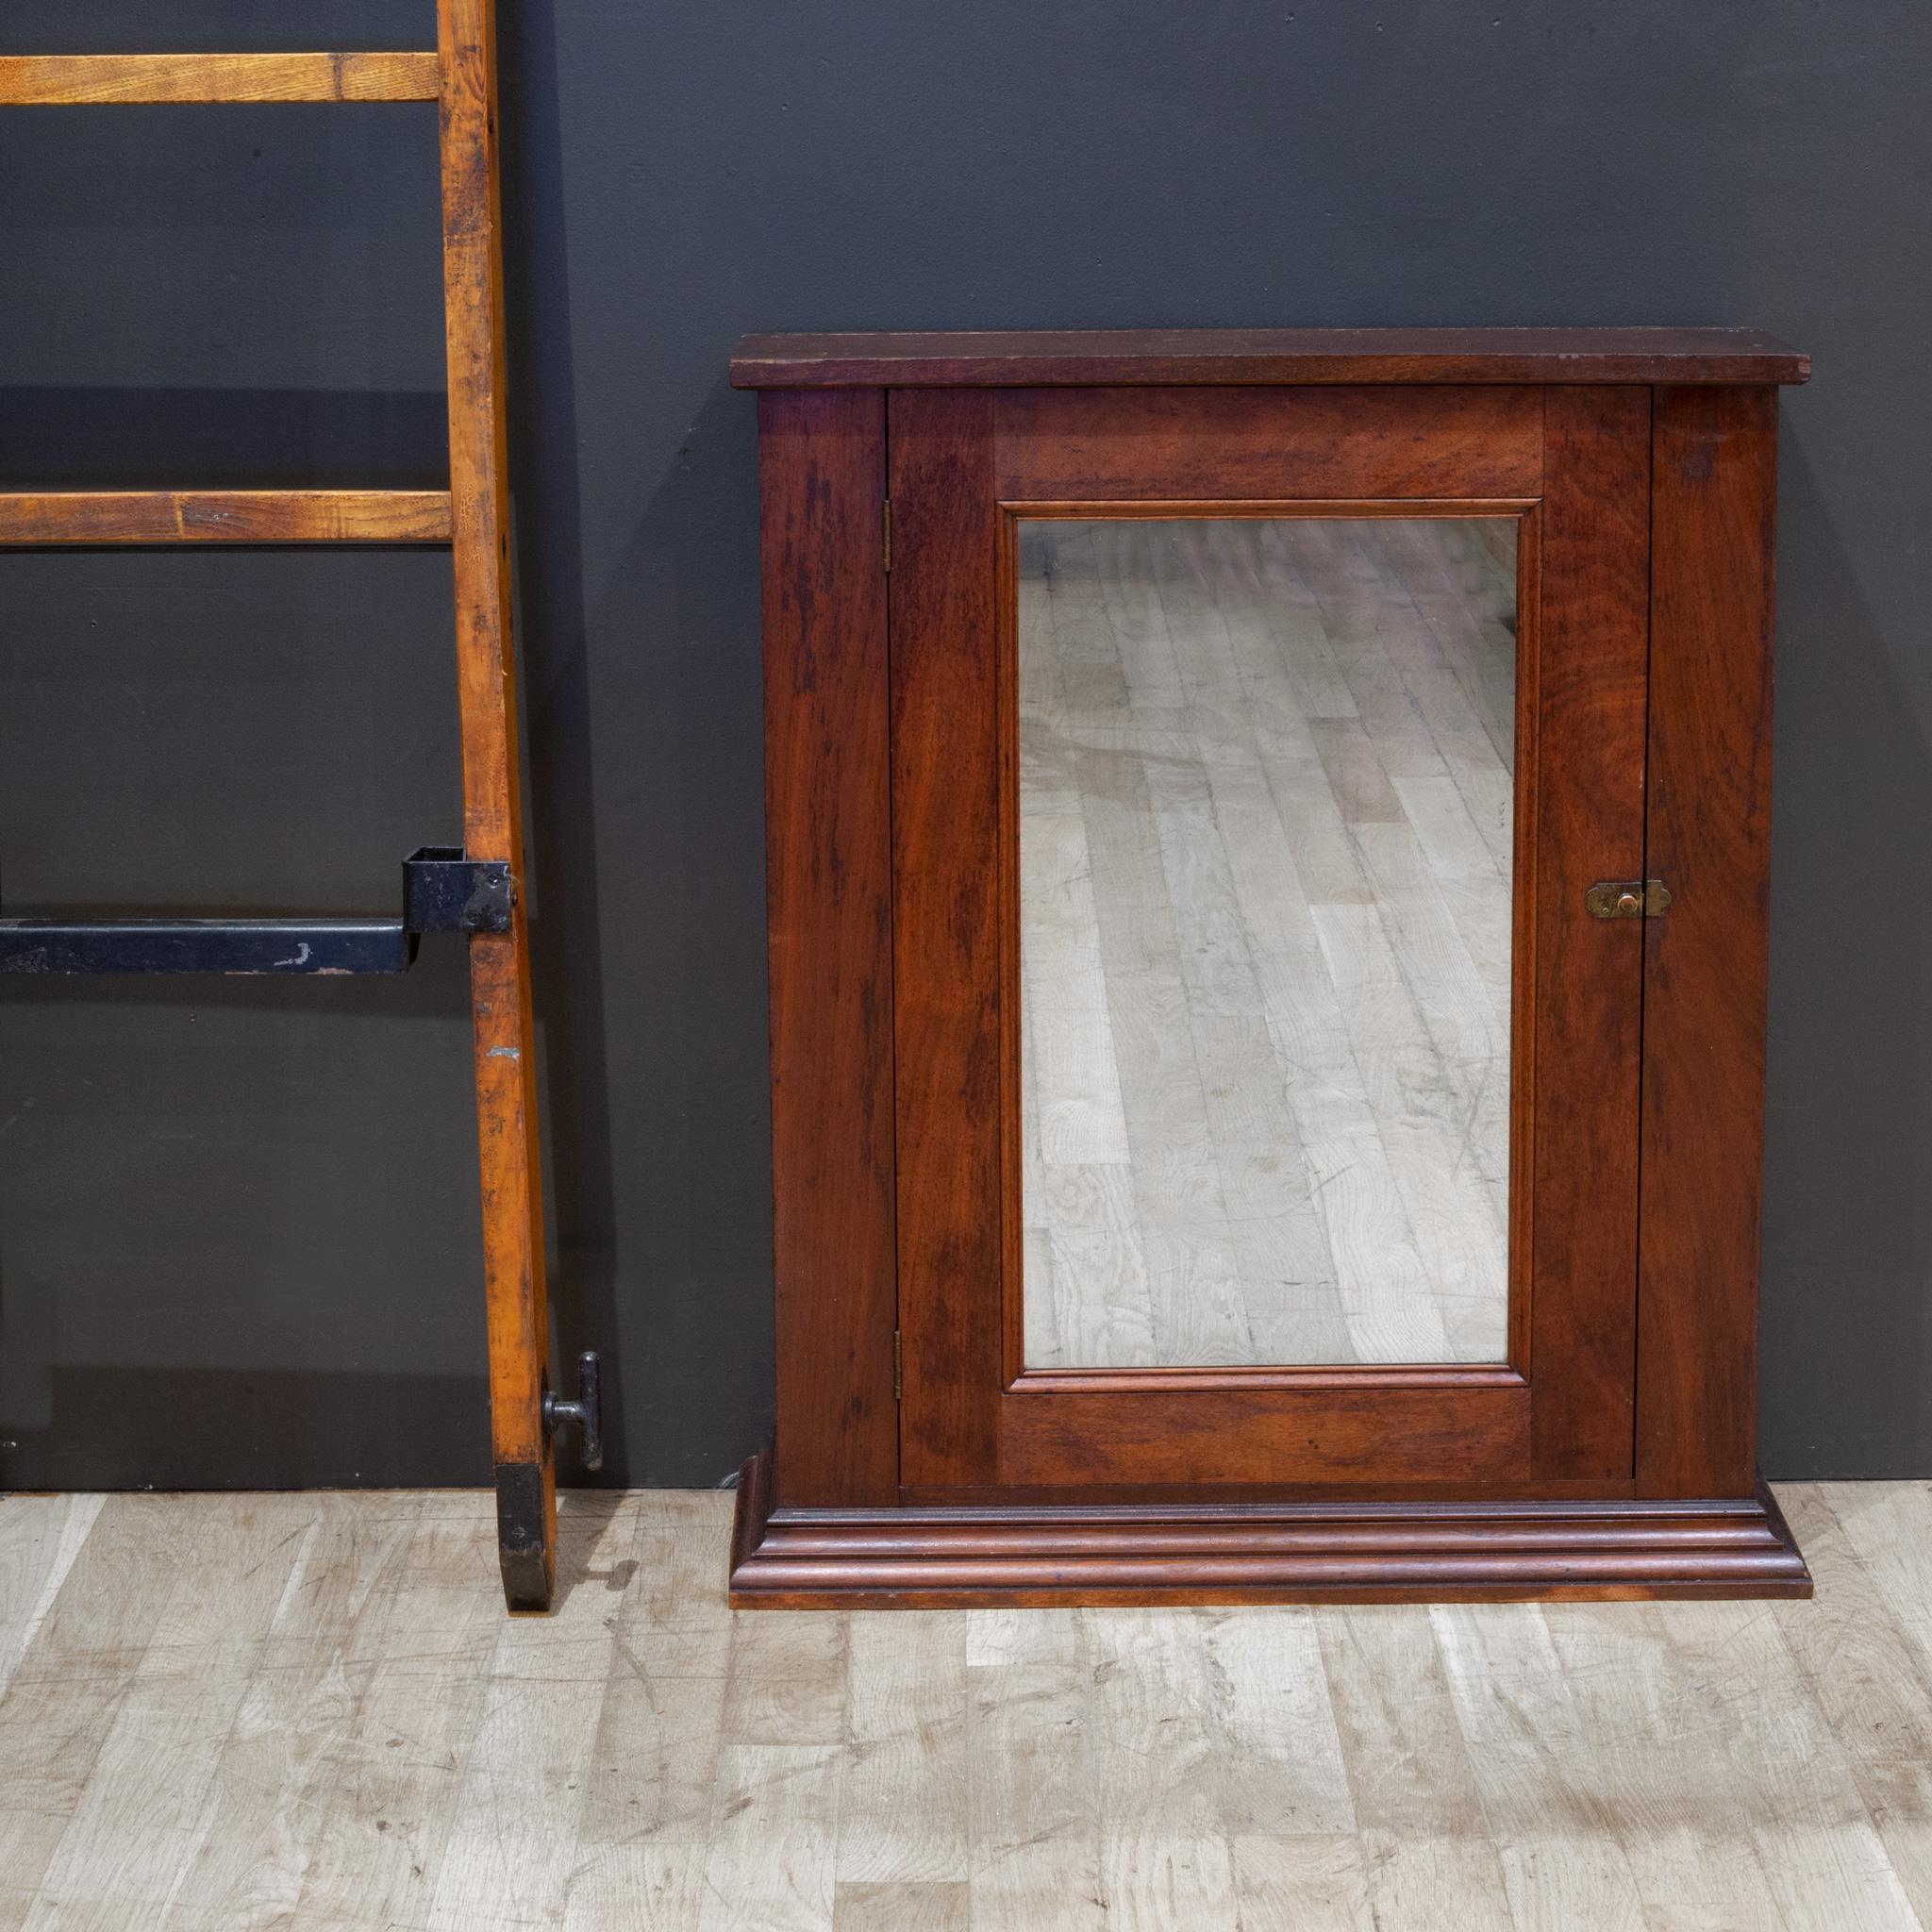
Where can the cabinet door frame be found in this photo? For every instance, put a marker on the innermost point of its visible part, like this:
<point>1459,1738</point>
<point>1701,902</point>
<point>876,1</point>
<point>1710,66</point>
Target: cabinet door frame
<point>1574,465</point>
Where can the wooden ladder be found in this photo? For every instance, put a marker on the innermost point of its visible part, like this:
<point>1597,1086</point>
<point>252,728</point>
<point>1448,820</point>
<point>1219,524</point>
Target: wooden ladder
<point>475,891</point>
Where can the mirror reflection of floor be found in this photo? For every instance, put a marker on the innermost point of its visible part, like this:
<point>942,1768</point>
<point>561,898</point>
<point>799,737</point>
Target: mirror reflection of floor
<point>1265,859</point>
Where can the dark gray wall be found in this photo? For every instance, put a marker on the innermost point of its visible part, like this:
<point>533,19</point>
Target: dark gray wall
<point>236,1224</point>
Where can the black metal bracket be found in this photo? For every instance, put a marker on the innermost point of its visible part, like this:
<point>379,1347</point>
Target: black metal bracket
<point>442,891</point>
<point>585,1414</point>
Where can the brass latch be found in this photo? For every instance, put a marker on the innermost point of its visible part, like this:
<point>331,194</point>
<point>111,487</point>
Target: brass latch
<point>1627,899</point>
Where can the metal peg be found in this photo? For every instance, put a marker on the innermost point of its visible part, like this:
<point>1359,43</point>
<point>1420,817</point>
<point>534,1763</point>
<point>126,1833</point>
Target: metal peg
<point>586,1413</point>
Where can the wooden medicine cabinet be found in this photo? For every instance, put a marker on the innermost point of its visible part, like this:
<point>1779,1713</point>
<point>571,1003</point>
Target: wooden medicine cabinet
<point>1267,884</point>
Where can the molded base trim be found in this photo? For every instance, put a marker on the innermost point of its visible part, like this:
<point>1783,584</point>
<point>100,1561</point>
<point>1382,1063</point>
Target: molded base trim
<point>1254,1553</point>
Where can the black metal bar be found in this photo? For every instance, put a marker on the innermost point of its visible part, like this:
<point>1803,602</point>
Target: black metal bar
<point>442,891</point>
<point>204,945</point>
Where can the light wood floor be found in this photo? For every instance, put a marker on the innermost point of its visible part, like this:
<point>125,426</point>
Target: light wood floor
<point>308,1713</point>
<point>1265,918</point>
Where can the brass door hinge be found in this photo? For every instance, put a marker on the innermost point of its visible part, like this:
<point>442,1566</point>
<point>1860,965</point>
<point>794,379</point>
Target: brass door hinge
<point>898,1367</point>
<point>887,522</point>
<point>1627,899</point>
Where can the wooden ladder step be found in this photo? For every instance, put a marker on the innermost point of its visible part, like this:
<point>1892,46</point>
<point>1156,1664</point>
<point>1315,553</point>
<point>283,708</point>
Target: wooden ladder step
<point>68,80</point>
<point>226,516</point>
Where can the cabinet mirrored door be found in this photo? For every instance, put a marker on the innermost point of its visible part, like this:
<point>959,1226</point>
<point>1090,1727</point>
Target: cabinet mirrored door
<point>1265,888</point>
<point>1266,1090</point>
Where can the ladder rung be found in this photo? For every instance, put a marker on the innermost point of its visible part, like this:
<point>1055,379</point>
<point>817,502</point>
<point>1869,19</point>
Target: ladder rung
<point>58,80</point>
<point>226,516</point>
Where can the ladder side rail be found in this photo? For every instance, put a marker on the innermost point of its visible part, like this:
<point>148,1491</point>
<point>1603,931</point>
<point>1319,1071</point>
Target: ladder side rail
<point>513,1257</point>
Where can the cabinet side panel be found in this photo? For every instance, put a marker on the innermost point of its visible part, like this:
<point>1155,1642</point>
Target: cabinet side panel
<point>828,858</point>
<point>1714,483</point>
<point>945,815</point>
<point>1589,788</point>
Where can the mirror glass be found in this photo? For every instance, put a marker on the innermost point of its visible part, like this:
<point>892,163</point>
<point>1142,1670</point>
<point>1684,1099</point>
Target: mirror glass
<point>1265,866</point>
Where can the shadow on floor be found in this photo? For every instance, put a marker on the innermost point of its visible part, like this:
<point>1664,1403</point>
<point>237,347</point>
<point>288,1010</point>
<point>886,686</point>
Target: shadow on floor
<point>583,1521</point>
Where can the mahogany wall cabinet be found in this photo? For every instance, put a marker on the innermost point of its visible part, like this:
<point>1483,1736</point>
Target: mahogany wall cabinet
<point>1267,888</point>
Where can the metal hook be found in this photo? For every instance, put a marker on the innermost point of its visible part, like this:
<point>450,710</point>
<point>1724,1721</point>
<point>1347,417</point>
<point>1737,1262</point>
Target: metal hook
<point>585,1414</point>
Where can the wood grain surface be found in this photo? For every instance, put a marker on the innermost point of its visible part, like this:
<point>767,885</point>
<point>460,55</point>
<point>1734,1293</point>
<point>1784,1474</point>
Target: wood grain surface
<point>1715,482</point>
<point>1045,358</point>
<point>1592,651</point>
<point>1472,1434</point>
<point>1206,1551</point>
<point>226,516</point>
<point>505,1043</point>
<point>108,79</point>
<point>947,942</point>
<point>821,468</point>
<point>1210,444</point>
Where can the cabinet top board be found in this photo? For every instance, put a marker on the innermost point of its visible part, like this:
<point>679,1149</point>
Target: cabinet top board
<point>1060,358</point>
